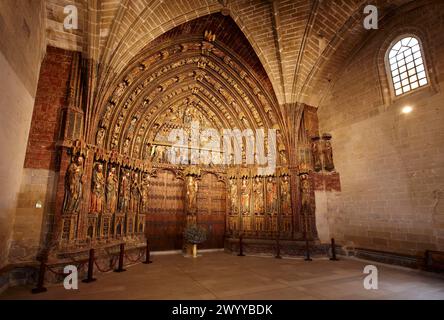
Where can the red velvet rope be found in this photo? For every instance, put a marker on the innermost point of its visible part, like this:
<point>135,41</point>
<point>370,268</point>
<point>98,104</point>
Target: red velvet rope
<point>113,264</point>
<point>138,259</point>
<point>58,273</point>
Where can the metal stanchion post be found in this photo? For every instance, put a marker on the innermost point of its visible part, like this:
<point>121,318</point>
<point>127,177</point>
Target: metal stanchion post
<point>148,254</point>
<point>41,280</point>
<point>333,250</point>
<point>90,277</point>
<point>241,246</point>
<point>121,255</point>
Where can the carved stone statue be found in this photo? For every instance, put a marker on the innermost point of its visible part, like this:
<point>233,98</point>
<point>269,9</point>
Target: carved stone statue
<point>258,193</point>
<point>271,196</point>
<point>317,164</point>
<point>328,153</point>
<point>283,158</point>
<point>160,154</point>
<point>245,197</point>
<point>98,189</point>
<point>135,194</point>
<point>100,137</point>
<point>233,196</point>
<point>144,192</point>
<point>305,194</point>
<point>285,196</point>
<point>74,186</point>
<point>191,195</point>
<point>282,154</point>
<point>111,190</point>
<point>126,146</point>
<point>125,191</point>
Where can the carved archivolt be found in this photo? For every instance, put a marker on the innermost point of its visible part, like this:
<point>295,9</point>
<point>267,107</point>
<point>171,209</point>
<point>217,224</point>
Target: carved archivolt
<point>149,98</point>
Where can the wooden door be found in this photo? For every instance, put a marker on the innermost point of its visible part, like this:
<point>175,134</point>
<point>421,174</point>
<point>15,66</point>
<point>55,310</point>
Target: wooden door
<point>166,217</point>
<point>211,204</point>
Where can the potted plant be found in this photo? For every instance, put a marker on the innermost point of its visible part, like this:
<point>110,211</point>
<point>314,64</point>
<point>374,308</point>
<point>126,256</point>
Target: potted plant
<point>195,235</point>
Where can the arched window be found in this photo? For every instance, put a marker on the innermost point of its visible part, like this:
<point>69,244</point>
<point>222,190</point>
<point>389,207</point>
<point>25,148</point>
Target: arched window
<point>406,64</point>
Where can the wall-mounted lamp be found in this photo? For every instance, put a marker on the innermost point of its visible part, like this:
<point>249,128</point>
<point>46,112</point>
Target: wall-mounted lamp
<point>407,109</point>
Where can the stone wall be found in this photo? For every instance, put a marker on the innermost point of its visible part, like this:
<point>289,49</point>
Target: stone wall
<point>391,164</point>
<point>22,44</point>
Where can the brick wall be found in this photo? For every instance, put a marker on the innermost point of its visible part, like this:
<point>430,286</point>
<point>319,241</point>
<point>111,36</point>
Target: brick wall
<point>22,44</point>
<point>51,95</point>
<point>39,179</point>
<point>391,164</point>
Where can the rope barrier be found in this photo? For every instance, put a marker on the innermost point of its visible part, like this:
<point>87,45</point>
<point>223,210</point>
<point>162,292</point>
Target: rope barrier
<point>80,264</point>
<point>138,259</point>
<point>113,264</point>
<point>57,273</point>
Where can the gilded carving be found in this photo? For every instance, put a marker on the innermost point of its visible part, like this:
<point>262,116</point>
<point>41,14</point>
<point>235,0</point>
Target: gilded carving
<point>125,191</point>
<point>191,195</point>
<point>144,192</point>
<point>233,196</point>
<point>98,189</point>
<point>305,194</point>
<point>135,193</point>
<point>111,190</point>
<point>285,196</point>
<point>245,197</point>
<point>258,193</point>
<point>100,137</point>
<point>271,196</point>
<point>74,186</point>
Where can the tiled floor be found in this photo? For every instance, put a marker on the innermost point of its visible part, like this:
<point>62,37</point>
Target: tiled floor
<point>224,276</point>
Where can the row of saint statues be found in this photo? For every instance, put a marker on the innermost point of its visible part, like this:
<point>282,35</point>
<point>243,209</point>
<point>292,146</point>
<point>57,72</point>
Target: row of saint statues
<point>127,191</point>
<point>260,196</point>
<point>110,193</point>
<point>260,225</point>
<point>261,207</point>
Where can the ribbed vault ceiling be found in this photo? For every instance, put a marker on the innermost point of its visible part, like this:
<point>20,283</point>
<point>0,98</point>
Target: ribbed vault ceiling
<point>302,44</point>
